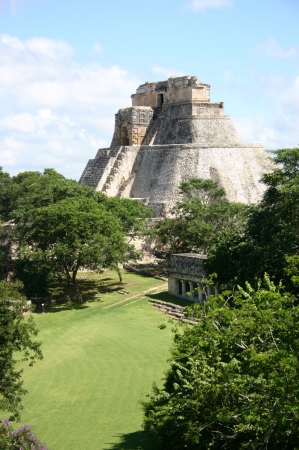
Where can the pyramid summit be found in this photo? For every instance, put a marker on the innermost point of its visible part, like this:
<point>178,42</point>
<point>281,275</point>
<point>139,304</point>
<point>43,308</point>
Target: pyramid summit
<point>172,132</point>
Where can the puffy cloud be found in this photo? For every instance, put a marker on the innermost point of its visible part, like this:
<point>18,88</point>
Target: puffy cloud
<point>97,48</point>
<point>55,112</point>
<point>273,49</point>
<point>200,5</point>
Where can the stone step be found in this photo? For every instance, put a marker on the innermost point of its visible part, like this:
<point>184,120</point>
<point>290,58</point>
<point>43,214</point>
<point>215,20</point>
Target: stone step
<point>166,304</point>
<point>169,308</point>
<point>172,310</point>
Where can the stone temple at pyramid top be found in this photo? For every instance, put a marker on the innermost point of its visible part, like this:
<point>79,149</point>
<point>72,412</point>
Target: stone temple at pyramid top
<point>173,132</point>
<point>173,90</point>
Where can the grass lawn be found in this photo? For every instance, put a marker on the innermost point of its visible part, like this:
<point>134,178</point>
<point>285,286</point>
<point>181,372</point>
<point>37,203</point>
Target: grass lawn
<point>100,359</point>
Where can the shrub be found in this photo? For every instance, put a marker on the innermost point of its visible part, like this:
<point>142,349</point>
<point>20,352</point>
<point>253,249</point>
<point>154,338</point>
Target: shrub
<point>20,439</point>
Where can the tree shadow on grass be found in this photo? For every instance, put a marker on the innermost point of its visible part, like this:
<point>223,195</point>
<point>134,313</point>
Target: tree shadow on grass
<point>139,440</point>
<point>88,288</point>
<point>55,308</point>
<point>63,296</point>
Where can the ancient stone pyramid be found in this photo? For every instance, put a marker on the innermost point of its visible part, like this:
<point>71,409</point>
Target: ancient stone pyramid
<point>171,133</point>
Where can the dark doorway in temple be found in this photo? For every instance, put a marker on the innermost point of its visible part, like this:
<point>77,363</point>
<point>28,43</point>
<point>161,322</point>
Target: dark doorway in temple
<point>124,136</point>
<point>160,99</point>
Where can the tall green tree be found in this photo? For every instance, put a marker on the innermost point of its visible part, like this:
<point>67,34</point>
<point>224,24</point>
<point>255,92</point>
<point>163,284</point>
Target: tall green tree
<point>34,190</point>
<point>74,234</point>
<point>133,217</point>
<point>203,213</point>
<point>233,377</point>
<point>17,343</point>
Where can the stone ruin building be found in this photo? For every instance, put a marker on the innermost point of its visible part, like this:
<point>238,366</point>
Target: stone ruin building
<point>170,133</point>
<point>185,274</point>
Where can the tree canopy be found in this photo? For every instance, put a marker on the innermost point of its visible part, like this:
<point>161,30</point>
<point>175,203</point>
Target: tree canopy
<point>74,234</point>
<point>233,377</point>
<point>59,226</point>
<point>203,213</point>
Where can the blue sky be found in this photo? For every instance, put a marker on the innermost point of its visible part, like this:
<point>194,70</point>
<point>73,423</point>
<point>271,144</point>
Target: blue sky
<point>66,67</point>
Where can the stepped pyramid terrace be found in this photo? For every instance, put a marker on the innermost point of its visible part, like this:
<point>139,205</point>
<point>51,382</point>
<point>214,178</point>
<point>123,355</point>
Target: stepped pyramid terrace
<point>170,133</point>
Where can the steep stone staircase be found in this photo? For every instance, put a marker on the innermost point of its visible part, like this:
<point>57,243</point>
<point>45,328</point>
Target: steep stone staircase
<point>95,169</point>
<point>152,129</point>
<point>176,312</point>
<point>119,153</point>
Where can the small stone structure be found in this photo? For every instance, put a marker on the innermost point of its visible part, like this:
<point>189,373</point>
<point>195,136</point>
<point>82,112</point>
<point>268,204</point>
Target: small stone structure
<point>185,273</point>
<point>171,133</point>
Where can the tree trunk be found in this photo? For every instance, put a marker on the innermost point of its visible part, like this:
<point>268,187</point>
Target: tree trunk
<point>78,293</point>
<point>119,273</point>
<point>68,277</point>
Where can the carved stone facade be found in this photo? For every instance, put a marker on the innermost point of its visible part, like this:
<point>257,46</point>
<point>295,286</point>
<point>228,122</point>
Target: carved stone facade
<point>185,277</point>
<point>171,133</point>
<point>131,125</point>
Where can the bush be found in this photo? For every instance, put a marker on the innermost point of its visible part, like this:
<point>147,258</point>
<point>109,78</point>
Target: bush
<point>20,439</point>
<point>233,380</point>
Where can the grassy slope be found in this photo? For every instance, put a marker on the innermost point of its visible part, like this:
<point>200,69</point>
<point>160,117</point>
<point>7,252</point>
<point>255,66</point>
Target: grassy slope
<point>98,362</point>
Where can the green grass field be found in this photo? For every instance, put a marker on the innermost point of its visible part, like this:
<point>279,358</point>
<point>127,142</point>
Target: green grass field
<point>100,359</point>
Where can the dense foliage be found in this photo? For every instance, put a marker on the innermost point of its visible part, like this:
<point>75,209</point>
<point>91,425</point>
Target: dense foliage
<point>233,381</point>
<point>73,234</point>
<point>19,439</point>
<point>271,234</point>
<point>203,213</point>
<point>16,343</point>
<point>57,226</point>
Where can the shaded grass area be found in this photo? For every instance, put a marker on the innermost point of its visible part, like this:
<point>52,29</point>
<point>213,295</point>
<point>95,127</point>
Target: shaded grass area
<point>133,441</point>
<point>95,288</point>
<point>98,364</point>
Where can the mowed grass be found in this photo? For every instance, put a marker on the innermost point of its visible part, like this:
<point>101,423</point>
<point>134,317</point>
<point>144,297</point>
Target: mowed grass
<point>99,362</point>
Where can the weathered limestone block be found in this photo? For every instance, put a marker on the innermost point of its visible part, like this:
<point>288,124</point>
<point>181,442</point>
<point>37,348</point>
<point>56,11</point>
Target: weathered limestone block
<point>187,266</point>
<point>174,90</point>
<point>131,125</point>
<point>171,133</point>
<point>160,169</point>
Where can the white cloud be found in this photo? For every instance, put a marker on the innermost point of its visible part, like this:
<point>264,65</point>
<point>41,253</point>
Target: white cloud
<point>280,130</point>
<point>97,48</point>
<point>272,48</point>
<point>168,72</point>
<point>55,112</point>
<point>200,5</point>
